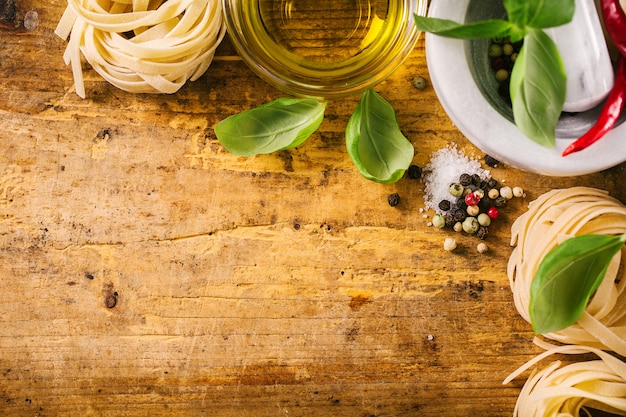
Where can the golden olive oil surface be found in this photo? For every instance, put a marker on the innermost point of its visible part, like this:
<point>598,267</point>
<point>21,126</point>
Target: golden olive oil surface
<point>331,36</point>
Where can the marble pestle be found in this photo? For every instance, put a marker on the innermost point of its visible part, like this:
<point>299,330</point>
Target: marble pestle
<point>586,58</point>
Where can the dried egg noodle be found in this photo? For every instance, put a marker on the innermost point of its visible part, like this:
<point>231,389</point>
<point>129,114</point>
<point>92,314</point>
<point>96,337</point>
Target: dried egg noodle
<point>571,390</point>
<point>142,46</point>
<point>553,218</point>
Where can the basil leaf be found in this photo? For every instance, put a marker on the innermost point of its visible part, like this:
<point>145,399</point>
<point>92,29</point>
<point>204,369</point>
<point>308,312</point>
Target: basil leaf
<point>538,87</point>
<point>374,141</point>
<point>567,277</point>
<point>451,29</point>
<point>539,14</point>
<point>281,124</point>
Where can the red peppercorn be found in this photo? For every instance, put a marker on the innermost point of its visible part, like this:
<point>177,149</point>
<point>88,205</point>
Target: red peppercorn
<point>493,213</point>
<point>498,63</point>
<point>471,199</point>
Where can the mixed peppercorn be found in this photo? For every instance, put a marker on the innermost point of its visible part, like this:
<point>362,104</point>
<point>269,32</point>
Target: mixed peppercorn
<point>473,204</point>
<point>502,54</point>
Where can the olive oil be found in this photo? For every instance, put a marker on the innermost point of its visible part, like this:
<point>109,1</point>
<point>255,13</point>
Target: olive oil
<point>324,38</point>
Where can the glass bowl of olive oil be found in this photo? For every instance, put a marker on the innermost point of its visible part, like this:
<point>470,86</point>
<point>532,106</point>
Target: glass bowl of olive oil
<point>323,48</point>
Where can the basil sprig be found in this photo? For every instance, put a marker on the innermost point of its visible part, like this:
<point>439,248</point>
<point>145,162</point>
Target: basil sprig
<point>537,87</point>
<point>375,144</point>
<point>374,141</point>
<point>538,80</point>
<point>566,279</point>
<point>281,124</point>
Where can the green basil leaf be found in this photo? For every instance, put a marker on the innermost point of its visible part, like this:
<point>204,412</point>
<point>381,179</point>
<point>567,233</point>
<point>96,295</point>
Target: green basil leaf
<point>567,277</point>
<point>281,124</point>
<point>374,141</point>
<point>539,14</point>
<point>538,87</point>
<point>448,28</point>
<point>517,12</point>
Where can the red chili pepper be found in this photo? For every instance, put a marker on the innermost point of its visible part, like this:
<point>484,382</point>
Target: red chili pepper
<point>610,112</point>
<point>615,22</point>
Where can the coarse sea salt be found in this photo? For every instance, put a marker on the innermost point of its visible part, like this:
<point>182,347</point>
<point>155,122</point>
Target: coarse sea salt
<point>445,167</point>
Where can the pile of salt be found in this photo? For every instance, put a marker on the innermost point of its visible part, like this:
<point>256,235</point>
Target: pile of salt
<point>445,167</point>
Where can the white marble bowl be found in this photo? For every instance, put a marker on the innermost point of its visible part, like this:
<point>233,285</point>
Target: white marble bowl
<point>476,109</point>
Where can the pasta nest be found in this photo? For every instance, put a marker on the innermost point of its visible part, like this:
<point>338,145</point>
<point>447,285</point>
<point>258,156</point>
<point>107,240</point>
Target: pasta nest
<point>573,389</point>
<point>576,388</point>
<point>142,46</point>
<point>552,218</point>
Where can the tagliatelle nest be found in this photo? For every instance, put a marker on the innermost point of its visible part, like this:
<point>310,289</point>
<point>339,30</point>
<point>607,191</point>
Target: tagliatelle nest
<point>552,218</point>
<point>142,46</point>
<point>573,389</point>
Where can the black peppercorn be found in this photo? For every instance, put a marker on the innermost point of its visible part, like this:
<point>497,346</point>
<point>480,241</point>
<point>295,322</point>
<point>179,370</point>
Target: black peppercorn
<point>393,199</point>
<point>459,214</point>
<point>500,202</point>
<point>492,183</point>
<point>491,161</point>
<point>460,203</point>
<point>415,172</point>
<point>444,205</point>
<point>449,220</point>
<point>482,232</point>
<point>476,179</point>
<point>485,203</point>
<point>465,179</point>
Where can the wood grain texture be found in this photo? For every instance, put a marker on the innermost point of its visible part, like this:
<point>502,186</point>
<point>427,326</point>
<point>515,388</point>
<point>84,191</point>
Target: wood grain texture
<point>148,272</point>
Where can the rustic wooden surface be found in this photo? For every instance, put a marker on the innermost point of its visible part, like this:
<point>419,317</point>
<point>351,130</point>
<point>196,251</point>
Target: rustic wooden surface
<point>148,272</point>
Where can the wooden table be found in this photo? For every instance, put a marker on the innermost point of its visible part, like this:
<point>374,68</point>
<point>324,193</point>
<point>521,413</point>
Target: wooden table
<point>148,272</point>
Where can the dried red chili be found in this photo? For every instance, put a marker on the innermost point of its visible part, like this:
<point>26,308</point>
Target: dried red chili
<point>615,22</point>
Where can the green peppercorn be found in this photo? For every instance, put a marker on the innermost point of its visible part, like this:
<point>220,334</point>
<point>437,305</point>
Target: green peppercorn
<point>495,50</point>
<point>456,189</point>
<point>470,225</point>
<point>439,221</point>
<point>507,49</point>
<point>502,75</point>
<point>419,82</point>
<point>484,219</point>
